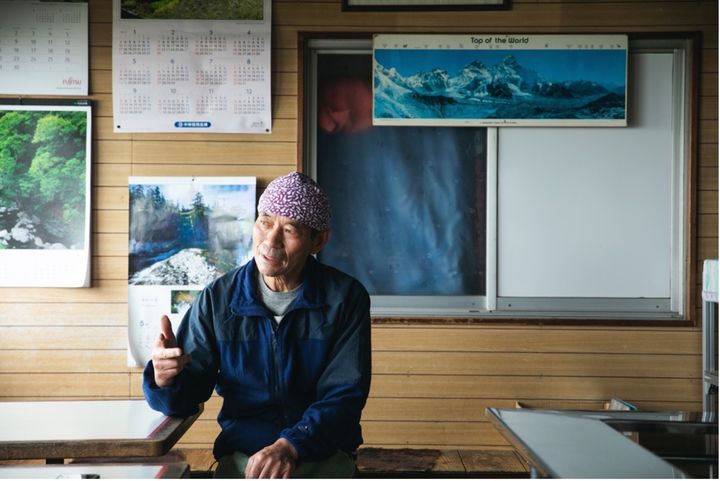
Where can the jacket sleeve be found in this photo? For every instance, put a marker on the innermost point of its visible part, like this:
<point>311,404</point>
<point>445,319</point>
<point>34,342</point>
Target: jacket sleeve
<point>196,381</point>
<point>333,421</point>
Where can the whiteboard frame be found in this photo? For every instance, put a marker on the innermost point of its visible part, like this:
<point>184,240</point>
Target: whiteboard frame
<point>672,308</point>
<point>493,306</point>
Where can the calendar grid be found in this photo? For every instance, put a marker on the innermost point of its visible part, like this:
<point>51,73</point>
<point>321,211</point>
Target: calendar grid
<point>43,48</point>
<point>195,75</point>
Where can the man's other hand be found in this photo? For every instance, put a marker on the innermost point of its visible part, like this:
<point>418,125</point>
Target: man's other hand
<point>274,461</point>
<point>167,358</point>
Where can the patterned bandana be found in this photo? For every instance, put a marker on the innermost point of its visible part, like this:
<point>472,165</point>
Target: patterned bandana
<point>299,198</point>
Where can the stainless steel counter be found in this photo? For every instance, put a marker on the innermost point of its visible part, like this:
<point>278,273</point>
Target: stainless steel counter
<point>608,444</point>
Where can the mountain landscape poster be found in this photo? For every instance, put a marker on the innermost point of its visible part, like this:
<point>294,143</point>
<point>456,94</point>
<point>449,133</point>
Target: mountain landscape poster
<point>500,80</point>
<point>184,232</point>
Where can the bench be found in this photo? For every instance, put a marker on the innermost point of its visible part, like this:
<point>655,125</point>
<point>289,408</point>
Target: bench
<point>408,463</point>
<point>439,463</point>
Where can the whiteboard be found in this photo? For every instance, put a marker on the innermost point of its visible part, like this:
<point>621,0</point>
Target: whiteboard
<point>588,212</point>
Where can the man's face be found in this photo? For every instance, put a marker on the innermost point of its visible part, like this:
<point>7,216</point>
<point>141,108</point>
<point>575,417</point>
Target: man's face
<point>281,246</point>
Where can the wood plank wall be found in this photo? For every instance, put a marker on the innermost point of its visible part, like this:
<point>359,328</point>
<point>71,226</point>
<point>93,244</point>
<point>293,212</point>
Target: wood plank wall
<point>431,381</point>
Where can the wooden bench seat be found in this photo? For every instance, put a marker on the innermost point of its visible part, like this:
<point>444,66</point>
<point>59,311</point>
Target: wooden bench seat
<point>437,463</point>
<point>409,463</point>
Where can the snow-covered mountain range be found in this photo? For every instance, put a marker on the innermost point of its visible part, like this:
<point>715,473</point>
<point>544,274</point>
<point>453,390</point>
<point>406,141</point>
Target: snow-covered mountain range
<point>503,90</point>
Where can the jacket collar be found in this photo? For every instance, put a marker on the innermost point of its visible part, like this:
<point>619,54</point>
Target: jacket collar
<point>246,302</point>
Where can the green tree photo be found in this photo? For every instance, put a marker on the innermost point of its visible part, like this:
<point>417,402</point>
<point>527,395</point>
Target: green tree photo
<point>193,9</point>
<point>42,179</point>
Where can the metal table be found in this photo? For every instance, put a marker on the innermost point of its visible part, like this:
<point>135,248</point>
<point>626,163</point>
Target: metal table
<point>599,444</point>
<point>55,430</point>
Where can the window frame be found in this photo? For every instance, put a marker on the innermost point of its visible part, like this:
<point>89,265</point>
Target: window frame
<point>675,310</point>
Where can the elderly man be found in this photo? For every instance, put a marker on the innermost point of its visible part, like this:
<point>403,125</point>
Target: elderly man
<point>284,340</point>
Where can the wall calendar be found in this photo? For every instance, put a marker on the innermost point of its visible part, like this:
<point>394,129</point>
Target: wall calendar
<point>192,66</point>
<point>43,48</point>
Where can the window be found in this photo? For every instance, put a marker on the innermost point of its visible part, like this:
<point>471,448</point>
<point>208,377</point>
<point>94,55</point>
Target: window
<point>468,221</point>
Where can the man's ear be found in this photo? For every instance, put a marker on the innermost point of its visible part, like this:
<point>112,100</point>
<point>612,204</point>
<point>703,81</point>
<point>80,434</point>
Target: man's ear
<point>320,240</point>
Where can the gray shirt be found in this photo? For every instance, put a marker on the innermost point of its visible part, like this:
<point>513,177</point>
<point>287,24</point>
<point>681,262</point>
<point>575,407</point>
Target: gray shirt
<point>277,302</point>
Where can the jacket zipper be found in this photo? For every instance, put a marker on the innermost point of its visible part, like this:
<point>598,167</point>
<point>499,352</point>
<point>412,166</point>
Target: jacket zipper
<point>275,355</point>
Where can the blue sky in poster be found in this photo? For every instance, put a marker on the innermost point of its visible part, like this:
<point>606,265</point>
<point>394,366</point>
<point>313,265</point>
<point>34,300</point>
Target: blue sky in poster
<point>234,197</point>
<point>604,66</point>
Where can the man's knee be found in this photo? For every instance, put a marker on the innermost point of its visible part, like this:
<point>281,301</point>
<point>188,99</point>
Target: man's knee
<point>338,465</point>
<point>232,466</point>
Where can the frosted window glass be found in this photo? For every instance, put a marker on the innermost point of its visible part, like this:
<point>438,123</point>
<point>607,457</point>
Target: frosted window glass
<point>408,205</point>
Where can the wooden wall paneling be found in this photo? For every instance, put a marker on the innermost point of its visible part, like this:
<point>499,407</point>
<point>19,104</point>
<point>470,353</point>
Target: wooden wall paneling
<point>264,173</point>
<point>709,84</point>
<point>471,409</point>
<point>432,383</point>
<point>102,105</point>
<point>709,108</point>
<point>438,434</point>
<point>536,387</point>
<point>537,339</point>
<point>202,432</point>
<point>53,385</point>
<point>63,361</point>
<point>112,151</point>
<point>522,15</point>
<point>708,202</point>
<point>707,225</point>
<point>708,154</point>
<point>112,198</point>
<point>100,11</point>
<point>60,337</point>
<point>66,314</point>
<point>110,268</point>
<point>708,247</point>
<point>136,383</point>
<point>442,409</point>
<point>112,244</point>
<point>102,291</point>
<point>709,131</point>
<point>110,175</point>
<point>103,130</point>
<point>100,57</point>
<point>110,220</point>
<point>536,364</point>
<point>100,82</point>
<point>212,152</point>
<point>708,178</point>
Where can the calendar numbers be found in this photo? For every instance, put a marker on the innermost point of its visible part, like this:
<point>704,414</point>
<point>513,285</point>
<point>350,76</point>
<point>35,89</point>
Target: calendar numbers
<point>210,45</point>
<point>173,43</point>
<point>139,76</point>
<point>171,74</point>
<point>216,75</point>
<point>138,104</point>
<point>192,75</point>
<point>135,46</point>
<point>174,105</point>
<point>243,75</point>
<point>207,104</point>
<point>253,46</point>
<point>43,48</point>
<point>249,105</point>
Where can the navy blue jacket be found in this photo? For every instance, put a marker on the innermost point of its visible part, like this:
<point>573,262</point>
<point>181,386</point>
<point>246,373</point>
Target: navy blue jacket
<point>306,379</point>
